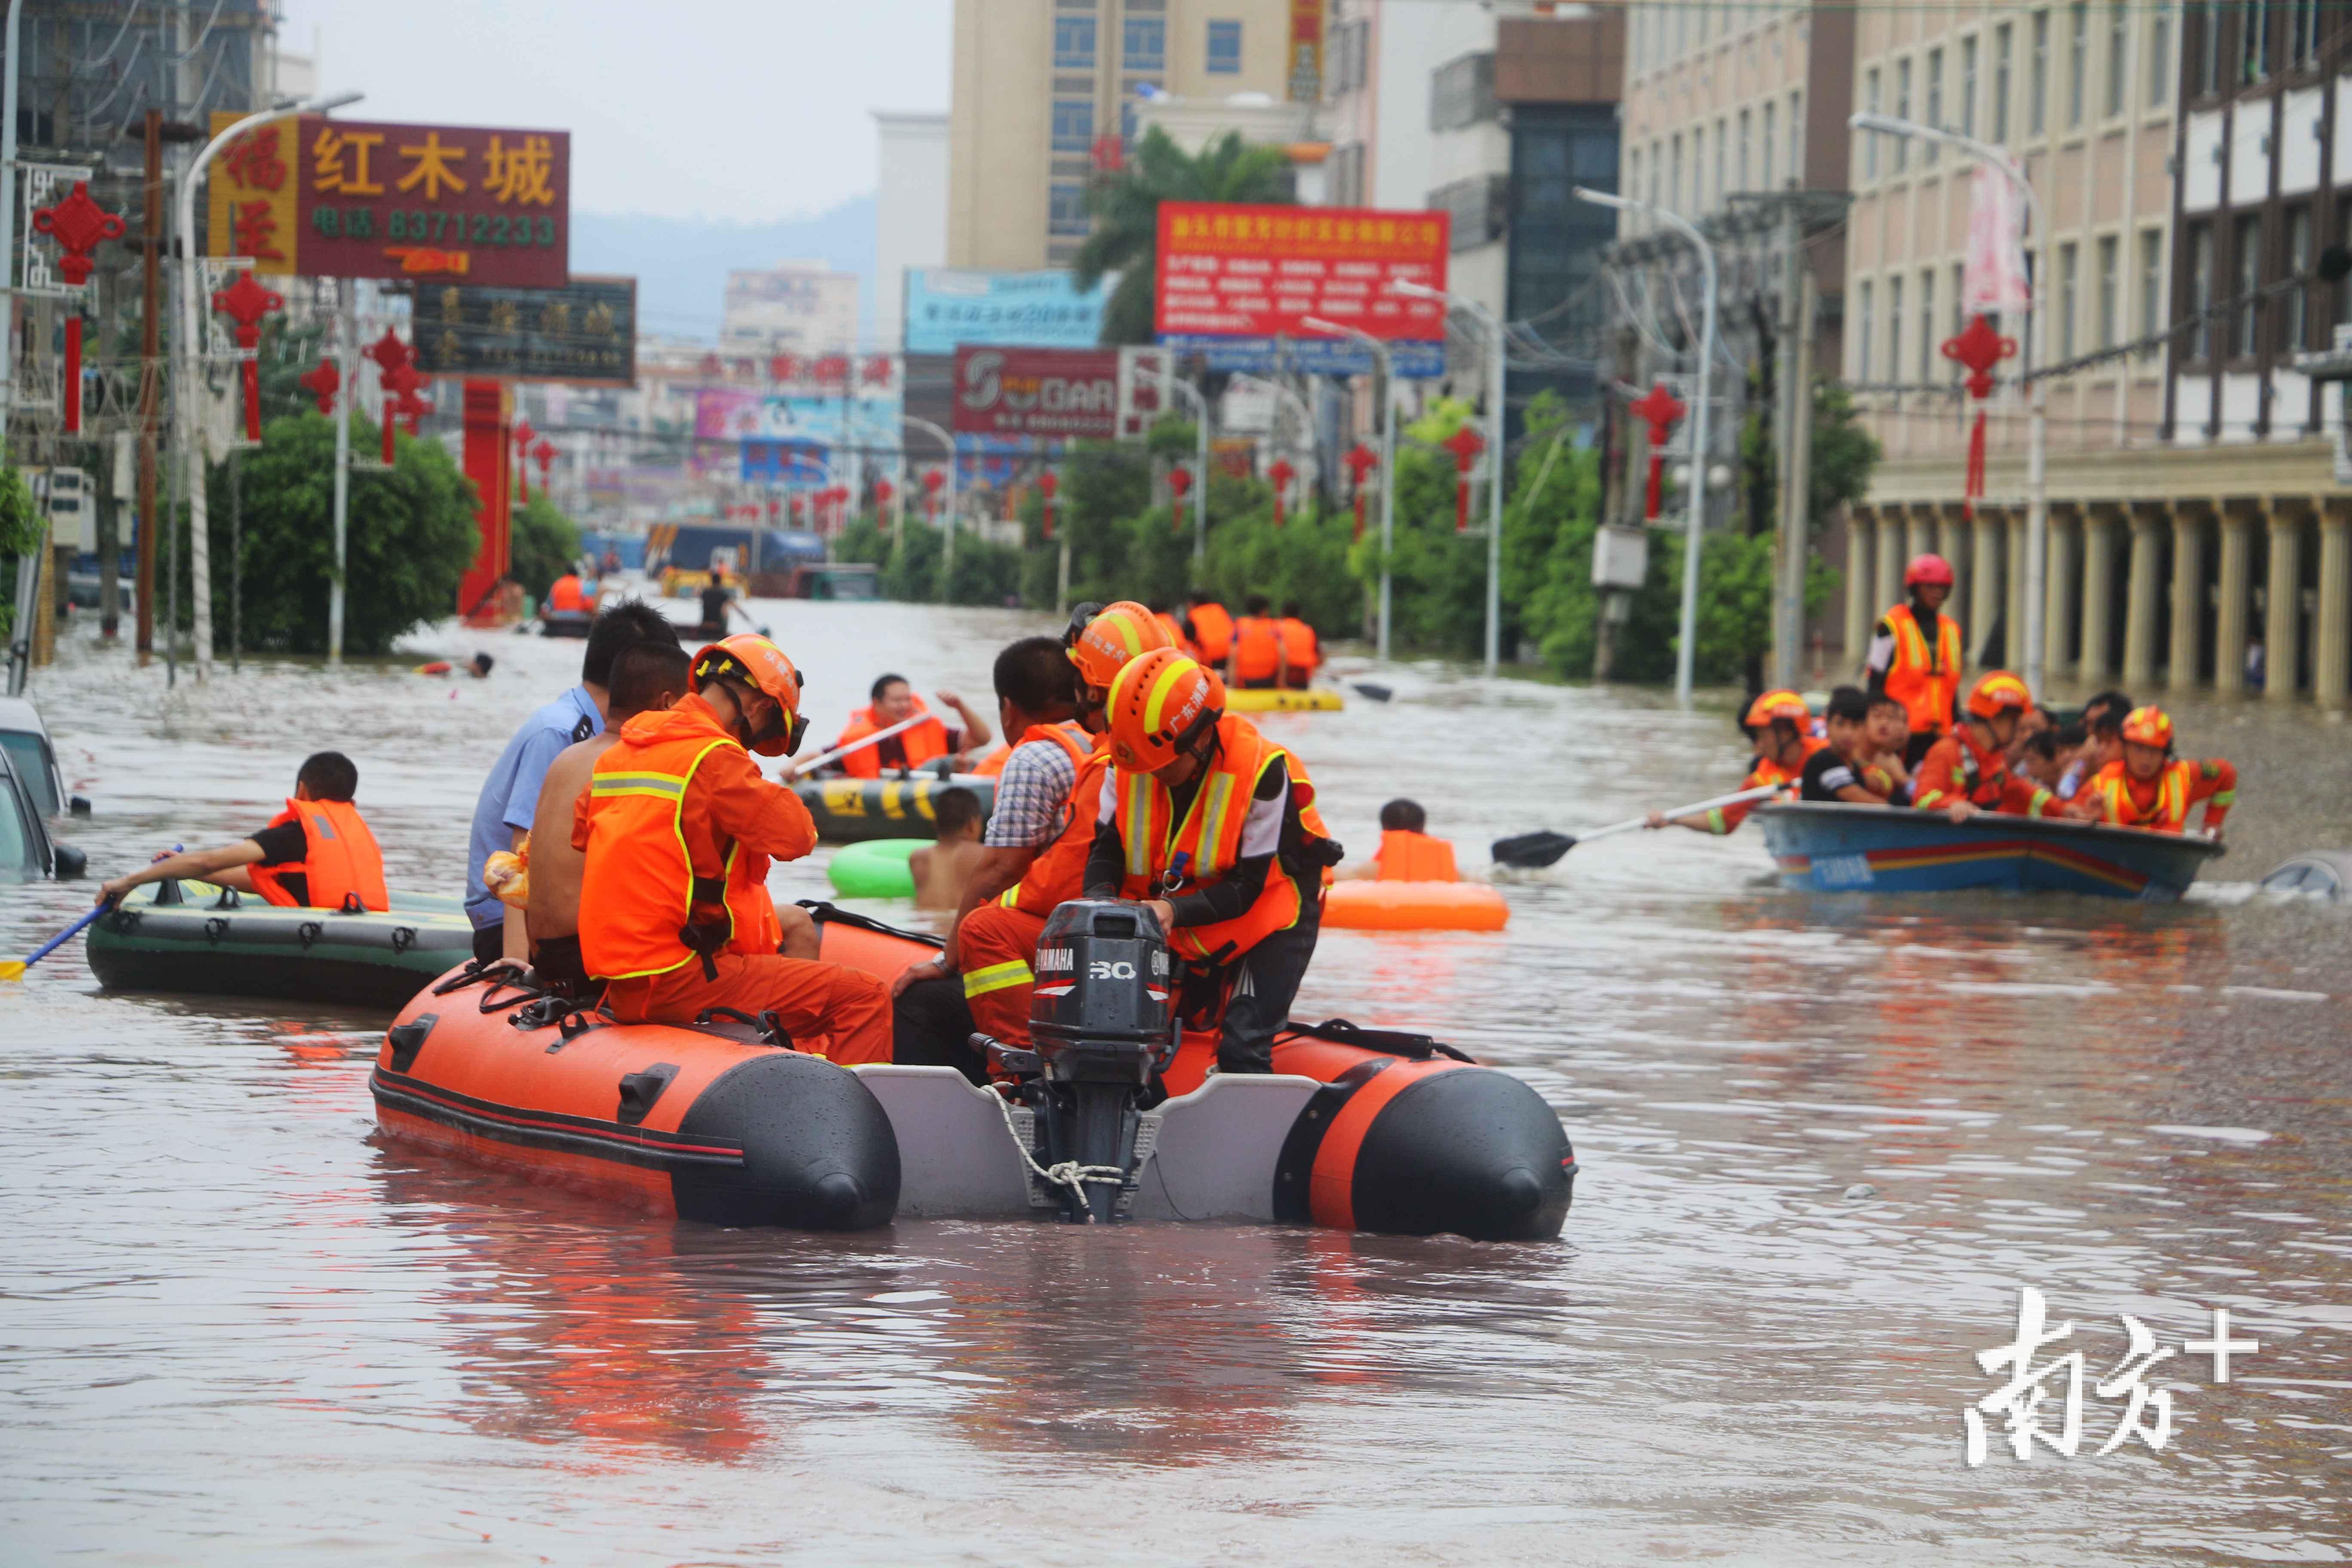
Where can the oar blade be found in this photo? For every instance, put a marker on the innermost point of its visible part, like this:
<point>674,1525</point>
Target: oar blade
<point>1532,851</point>
<point>1373,689</point>
<point>12,969</point>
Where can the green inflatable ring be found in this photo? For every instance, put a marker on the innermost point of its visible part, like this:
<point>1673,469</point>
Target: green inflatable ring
<point>876,869</point>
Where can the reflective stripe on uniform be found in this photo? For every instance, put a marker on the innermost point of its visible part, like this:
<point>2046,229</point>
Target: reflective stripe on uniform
<point>669,786</point>
<point>1139,804</point>
<point>997,977</point>
<point>1217,799</point>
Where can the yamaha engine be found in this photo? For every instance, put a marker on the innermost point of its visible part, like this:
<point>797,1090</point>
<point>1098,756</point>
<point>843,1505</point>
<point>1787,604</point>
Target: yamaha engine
<point>1101,1019</point>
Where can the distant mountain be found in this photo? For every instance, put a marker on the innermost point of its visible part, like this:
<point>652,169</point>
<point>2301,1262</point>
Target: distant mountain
<point>681,264</point>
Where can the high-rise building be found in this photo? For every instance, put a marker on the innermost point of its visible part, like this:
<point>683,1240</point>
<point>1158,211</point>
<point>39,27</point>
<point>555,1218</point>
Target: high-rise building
<point>910,211</point>
<point>798,307</point>
<point>1042,94</point>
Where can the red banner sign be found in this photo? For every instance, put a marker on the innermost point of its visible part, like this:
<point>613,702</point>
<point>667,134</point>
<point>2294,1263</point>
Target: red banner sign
<point>314,198</point>
<point>1055,394</point>
<point>1229,271</point>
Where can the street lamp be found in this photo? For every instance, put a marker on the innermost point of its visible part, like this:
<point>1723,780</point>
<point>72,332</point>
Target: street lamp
<point>200,578</point>
<point>2037,401</point>
<point>1388,454</point>
<point>946,566</point>
<point>1201,490</point>
<point>1290,399</point>
<point>1495,448</point>
<point>1698,423</point>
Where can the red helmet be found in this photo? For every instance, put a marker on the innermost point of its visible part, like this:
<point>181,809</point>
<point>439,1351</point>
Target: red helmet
<point>1928,570</point>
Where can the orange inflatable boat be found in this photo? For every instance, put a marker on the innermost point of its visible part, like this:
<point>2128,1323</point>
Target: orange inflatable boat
<point>1414,906</point>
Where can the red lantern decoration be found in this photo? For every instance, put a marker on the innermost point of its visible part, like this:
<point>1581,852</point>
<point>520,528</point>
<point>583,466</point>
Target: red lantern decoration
<point>932,479</point>
<point>245,303</point>
<point>544,454</point>
<point>395,362</point>
<point>323,383</point>
<point>1179,481</point>
<point>1280,472</point>
<point>883,491</point>
<point>1047,483</point>
<point>1658,409</point>
<point>1977,348</point>
<point>407,408</point>
<point>1466,444</point>
<point>522,437</point>
<point>1361,460</point>
<point>79,226</point>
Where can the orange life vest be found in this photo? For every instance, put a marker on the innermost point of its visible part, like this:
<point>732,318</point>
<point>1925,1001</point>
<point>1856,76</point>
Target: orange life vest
<point>1300,650</point>
<point>1167,858</point>
<point>1212,629</point>
<point>339,859</point>
<point>1058,874</point>
<point>925,743</point>
<point>1406,857</point>
<point>1257,648</point>
<point>650,902</point>
<point>565,594</point>
<point>992,764</point>
<point>2111,787</point>
<point>1924,679</point>
<point>1184,645</point>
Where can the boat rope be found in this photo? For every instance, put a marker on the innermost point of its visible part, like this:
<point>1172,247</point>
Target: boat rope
<point>1063,1172</point>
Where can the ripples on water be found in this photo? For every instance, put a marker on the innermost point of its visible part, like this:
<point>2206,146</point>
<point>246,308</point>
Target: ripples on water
<point>235,1325</point>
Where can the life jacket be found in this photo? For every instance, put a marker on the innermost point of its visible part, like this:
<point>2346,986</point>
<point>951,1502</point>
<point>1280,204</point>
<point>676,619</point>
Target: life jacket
<point>1058,874</point>
<point>649,901</point>
<point>1257,648</point>
<point>565,594</point>
<point>2111,787</point>
<point>1184,645</point>
<point>339,859</point>
<point>1923,680</point>
<point>925,743</point>
<point>1168,858</point>
<point>1300,650</point>
<point>993,765</point>
<point>1212,629</point>
<point>1406,857</point>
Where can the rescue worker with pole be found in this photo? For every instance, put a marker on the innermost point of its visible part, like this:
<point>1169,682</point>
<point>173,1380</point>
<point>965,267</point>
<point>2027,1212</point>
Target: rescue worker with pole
<point>1916,654</point>
<point>1780,726</point>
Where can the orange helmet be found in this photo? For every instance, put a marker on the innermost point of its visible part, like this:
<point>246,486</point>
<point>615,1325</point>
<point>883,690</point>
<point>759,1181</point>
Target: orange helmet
<point>2148,727</point>
<point>761,663</point>
<point>1159,704</point>
<point>1778,705</point>
<point>1999,692</point>
<point>1122,632</point>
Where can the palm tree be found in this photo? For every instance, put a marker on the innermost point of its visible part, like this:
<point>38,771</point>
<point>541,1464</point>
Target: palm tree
<point>1126,237</point>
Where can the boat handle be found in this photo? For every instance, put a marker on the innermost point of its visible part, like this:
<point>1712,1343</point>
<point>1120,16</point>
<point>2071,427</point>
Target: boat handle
<point>403,937</point>
<point>214,929</point>
<point>639,1091</point>
<point>309,932</point>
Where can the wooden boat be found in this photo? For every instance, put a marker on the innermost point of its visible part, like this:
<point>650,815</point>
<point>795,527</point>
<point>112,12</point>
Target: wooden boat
<point>850,811</point>
<point>1833,847</point>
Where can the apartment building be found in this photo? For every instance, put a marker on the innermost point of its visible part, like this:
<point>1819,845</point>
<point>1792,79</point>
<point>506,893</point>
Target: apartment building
<point>1042,94</point>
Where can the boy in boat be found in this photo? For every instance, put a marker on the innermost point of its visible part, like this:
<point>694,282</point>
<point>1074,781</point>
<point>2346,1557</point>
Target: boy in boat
<point>2148,787</point>
<point>316,854</point>
<point>1214,828</point>
<point>1968,771</point>
<point>1832,773</point>
<point>1781,728</point>
<point>943,871</point>
<point>1879,763</point>
<point>1915,654</point>
<point>1407,852</point>
<point>677,827</point>
<point>1257,647</point>
<point>2102,722</point>
<point>1302,651</point>
<point>893,702</point>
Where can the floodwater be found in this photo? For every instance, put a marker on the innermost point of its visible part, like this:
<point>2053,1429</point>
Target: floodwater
<point>1824,1143</point>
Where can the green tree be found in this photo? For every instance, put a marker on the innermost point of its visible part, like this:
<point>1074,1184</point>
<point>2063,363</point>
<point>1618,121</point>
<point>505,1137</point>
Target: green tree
<point>20,534</point>
<point>1126,237</point>
<point>410,538</point>
<point>544,545</point>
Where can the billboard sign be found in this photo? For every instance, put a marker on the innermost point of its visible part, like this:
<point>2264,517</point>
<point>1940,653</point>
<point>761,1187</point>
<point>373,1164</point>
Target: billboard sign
<point>949,307</point>
<point>747,414</point>
<point>1305,66</point>
<point>307,197</point>
<point>1052,394</point>
<point>1235,280</point>
<point>586,332</point>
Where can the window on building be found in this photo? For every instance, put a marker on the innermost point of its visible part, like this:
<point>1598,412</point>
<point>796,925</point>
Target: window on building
<point>1863,319</point>
<point>1967,86</point>
<point>1657,163</point>
<point>2253,40</point>
<point>1894,330</point>
<point>1902,112</point>
<point>2037,78</point>
<point>1747,146</point>
<point>1934,101</point>
<point>1461,92</point>
<point>2298,264</point>
<point>2066,287</point>
<point>1870,139</point>
<point>1144,44</point>
<point>2001,39</point>
<point>2301,32</point>
<point>1224,49</point>
<point>1067,209</point>
<point>2246,255</point>
<point>2078,60</point>
<point>1797,139</point>
<point>2160,58</point>
<point>2208,50</point>
<point>1073,43</point>
<point>2110,290</point>
<point>1959,310</point>
<point>1632,173</point>
<point>2201,287</point>
<point>1722,156</point>
<point>1074,125</point>
<point>2151,289</point>
<point>2119,19</point>
<point>1768,138</point>
<point>1698,169</point>
<point>1673,175</point>
<point>1926,327</point>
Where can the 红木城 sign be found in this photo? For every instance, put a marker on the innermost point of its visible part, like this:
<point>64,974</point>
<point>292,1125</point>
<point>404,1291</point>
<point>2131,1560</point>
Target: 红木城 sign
<point>312,197</point>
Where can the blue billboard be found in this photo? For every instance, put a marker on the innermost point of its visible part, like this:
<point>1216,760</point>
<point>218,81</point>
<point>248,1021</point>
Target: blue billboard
<point>947,306</point>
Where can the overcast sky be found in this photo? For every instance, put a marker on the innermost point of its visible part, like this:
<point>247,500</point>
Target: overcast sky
<point>718,109</point>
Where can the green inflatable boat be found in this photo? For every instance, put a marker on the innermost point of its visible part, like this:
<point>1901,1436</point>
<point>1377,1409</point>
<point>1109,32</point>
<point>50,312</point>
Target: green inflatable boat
<point>876,869</point>
<point>195,937</point>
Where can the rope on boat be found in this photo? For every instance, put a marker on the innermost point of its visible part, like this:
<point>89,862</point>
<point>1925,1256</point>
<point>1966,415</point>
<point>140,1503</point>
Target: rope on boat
<point>1062,1173</point>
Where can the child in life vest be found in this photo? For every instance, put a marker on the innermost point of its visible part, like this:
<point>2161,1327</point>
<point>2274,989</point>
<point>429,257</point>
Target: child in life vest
<point>1407,852</point>
<point>318,852</point>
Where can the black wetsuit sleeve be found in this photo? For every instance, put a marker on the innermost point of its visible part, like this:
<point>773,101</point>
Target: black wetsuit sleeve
<point>1105,862</point>
<point>1231,895</point>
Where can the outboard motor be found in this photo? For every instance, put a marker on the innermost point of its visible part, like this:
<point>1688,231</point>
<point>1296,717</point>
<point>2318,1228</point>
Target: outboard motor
<point>1102,1022</point>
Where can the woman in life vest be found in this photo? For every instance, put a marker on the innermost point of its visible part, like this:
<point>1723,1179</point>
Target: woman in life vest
<point>895,702</point>
<point>1302,653</point>
<point>1407,852</point>
<point>318,853</point>
<point>1257,647</point>
<point>1914,653</point>
<point>1968,771</point>
<point>2149,787</point>
<point>678,828</point>
<point>1214,828</point>
<point>1779,728</point>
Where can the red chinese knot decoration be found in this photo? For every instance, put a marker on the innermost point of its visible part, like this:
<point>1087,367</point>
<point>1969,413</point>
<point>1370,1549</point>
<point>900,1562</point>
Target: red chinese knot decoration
<point>323,383</point>
<point>1659,409</point>
<point>1179,484</point>
<point>1047,483</point>
<point>79,226</point>
<point>245,303</point>
<point>1361,460</point>
<point>397,362</point>
<point>1280,472</point>
<point>1978,349</point>
<point>1466,444</point>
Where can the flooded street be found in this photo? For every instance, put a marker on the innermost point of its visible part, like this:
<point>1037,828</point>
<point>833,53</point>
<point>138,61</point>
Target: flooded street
<point>1824,1141</point>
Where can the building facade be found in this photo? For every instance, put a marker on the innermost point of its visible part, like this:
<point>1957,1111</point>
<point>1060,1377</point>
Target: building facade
<point>910,211</point>
<point>796,306</point>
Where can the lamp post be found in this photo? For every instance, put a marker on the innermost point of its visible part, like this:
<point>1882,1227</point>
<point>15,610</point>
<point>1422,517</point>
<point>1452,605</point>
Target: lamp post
<point>1388,454</point>
<point>2037,399</point>
<point>1494,451</point>
<point>184,345</point>
<point>1700,400</point>
<point>946,565</point>
<point>1289,399</point>
<point>1201,493</point>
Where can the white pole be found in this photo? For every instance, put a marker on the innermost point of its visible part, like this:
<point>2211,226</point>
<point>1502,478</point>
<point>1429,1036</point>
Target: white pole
<point>348,330</point>
<point>943,438</point>
<point>8,222</point>
<point>1168,383</point>
<point>1381,357</point>
<point>1495,450</point>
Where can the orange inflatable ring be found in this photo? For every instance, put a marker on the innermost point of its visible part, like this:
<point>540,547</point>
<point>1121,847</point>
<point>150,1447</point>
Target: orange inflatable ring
<point>1414,906</point>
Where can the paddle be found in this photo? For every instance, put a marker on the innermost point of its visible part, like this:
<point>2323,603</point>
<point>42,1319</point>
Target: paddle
<point>795,769</point>
<point>12,969</point>
<point>1534,850</point>
<point>1372,689</point>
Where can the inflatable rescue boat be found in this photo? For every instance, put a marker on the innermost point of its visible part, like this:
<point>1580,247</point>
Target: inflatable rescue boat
<point>195,937</point>
<point>850,811</point>
<point>723,1121</point>
<point>1283,700</point>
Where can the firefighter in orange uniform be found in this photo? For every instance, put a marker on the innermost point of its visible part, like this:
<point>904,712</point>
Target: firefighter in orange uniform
<point>1968,771</point>
<point>1781,727</point>
<point>2149,787</point>
<point>1257,647</point>
<point>316,854</point>
<point>1915,654</point>
<point>1214,828</point>
<point>1302,653</point>
<point>1209,628</point>
<point>678,828</point>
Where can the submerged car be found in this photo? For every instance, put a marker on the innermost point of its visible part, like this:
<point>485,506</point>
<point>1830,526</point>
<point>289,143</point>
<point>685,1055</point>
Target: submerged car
<point>2314,874</point>
<point>28,853</point>
<point>24,739</point>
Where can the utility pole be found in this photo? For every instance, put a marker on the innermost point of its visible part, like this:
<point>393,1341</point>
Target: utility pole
<point>1788,600</point>
<point>150,378</point>
<point>347,332</point>
<point>1798,529</point>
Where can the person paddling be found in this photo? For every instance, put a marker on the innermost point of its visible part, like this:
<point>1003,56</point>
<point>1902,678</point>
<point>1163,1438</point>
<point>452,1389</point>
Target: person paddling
<point>318,853</point>
<point>893,702</point>
<point>1914,653</point>
<point>1968,771</point>
<point>2149,787</point>
<point>1780,726</point>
